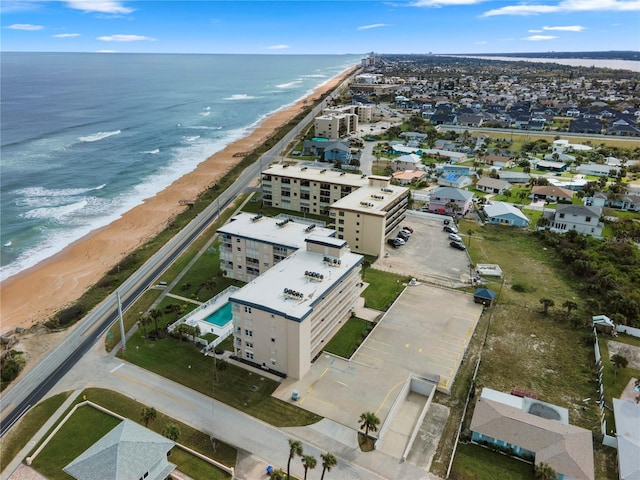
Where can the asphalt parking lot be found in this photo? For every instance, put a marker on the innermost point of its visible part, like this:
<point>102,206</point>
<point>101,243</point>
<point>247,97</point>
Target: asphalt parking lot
<point>427,255</point>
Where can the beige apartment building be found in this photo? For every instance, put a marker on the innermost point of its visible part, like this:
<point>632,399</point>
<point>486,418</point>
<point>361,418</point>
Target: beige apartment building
<point>307,189</point>
<point>283,319</point>
<point>335,125</point>
<point>364,112</point>
<point>368,215</point>
<point>252,244</point>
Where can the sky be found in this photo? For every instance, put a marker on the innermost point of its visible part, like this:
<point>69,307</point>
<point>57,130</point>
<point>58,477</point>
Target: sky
<point>319,26</point>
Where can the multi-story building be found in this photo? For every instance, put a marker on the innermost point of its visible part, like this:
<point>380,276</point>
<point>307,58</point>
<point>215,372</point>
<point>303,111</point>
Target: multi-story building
<point>305,189</point>
<point>335,125</point>
<point>283,319</point>
<point>364,112</point>
<point>252,244</point>
<point>580,218</point>
<point>368,215</point>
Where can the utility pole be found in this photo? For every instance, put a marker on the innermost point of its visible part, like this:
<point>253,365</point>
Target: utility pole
<point>121,321</point>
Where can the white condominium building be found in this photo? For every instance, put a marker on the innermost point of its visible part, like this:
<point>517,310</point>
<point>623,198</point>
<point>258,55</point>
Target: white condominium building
<point>251,244</point>
<point>283,319</point>
<point>307,189</point>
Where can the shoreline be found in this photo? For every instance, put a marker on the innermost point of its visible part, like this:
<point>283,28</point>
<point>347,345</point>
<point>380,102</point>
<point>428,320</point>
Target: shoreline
<point>35,294</point>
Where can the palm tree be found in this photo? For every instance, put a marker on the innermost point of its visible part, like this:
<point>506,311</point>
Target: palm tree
<point>148,415</point>
<point>154,315</point>
<point>172,432</point>
<point>175,309</point>
<point>295,449</point>
<point>570,305</point>
<point>309,462</point>
<point>211,285</point>
<point>544,472</point>
<point>277,474</point>
<point>546,303</point>
<point>619,361</point>
<point>369,422</point>
<point>143,322</point>
<point>328,462</point>
<point>470,232</point>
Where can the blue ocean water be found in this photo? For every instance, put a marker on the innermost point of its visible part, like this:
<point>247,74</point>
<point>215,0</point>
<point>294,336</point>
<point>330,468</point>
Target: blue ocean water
<point>86,137</point>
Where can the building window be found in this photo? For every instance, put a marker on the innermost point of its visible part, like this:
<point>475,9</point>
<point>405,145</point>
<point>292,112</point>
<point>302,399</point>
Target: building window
<point>249,355</point>
<point>341,229</point>
<point>273,362</point>
<point>341,214</point>
<point>248,333</point>
<point>341,222</point>
<point>273,339</point>
<point>588,219</point>
<point>247,309</point>
<point>562,215</point>
<point>249,344</point>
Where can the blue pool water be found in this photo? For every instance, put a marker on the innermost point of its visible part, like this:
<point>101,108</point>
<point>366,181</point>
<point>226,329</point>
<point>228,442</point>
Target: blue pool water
<point>220,317</point>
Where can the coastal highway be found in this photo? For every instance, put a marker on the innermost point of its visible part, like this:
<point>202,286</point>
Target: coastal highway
<point>36,382</point>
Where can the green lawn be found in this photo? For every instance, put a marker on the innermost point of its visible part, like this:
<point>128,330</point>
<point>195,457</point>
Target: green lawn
<point>16,438</point>
<point>87,425</point>
<point>349,338</point>
<point>383,289</point>
<point>473,462</point>
<point>181,362</point>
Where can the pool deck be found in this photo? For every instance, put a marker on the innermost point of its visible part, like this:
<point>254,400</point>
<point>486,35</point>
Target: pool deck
<point>198,316</point>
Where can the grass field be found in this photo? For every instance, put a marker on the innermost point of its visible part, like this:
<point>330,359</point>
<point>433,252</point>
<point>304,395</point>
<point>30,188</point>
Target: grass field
<point>181,362</point>
<point>87,425</point>
<point>525,348</point>
<point>349,338</point>
<point>383,289</point>
<point>477,463</point>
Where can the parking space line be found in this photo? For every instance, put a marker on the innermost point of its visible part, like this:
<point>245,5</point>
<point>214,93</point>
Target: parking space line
<point>378,341</point>
<point>375,349</point>
<point>317,379</point>
<point>389,393</point>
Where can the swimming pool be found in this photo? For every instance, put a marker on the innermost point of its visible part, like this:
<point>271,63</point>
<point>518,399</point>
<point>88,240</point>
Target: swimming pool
<point>220,317</point>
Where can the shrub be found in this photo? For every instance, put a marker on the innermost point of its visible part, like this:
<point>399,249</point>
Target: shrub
<point>517,287</point>
<point>10,367</point>
<point>69,315</point>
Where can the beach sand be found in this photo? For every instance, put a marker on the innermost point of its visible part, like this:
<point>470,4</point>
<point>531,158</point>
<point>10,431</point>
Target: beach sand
<point>34,295</point>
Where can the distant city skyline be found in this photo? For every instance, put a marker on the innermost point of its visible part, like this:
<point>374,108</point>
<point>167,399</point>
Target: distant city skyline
<point>320,27</point>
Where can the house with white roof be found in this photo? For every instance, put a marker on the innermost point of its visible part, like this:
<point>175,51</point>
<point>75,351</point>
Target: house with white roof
<point>450,200</point>
<point>492,185</point>
<point>534,431</point>
<point>597,169</point>
<point>127,451</point>
<point>409,161</point>
<point>503,213</point>
<point>283,319</point>
<point>252,244</point>
<point>627,416</point>
<point>451,157</point>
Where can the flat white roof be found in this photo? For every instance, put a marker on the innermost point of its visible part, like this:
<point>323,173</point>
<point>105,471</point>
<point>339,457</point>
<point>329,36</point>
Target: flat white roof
<point>501,397</point>
<point>267,230</point>
<point>371,200</point>
<point>321,173</point>
<point>267,291</point>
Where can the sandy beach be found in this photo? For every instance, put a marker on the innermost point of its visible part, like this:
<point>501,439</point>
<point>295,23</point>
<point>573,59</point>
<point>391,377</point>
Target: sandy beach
<point>34,295</point>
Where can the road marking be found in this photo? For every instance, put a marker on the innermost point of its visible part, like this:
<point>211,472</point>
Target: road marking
<point>341,383</point>
<point>375,349</point>
<point>116,368</point>
<point>378,341</point>
<point>11,405</point>
<point>317,379</point>
<point>161,392</point>
<point>389,393</point>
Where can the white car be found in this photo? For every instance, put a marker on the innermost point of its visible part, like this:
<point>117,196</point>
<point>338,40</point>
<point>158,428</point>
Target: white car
<point>455,237</point>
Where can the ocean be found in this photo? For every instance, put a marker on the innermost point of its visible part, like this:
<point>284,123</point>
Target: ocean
<point>86,137</point>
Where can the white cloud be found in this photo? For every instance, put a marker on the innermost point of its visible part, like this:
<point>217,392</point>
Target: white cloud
<point>539,38</point>
<point>25,26</point>
<point>567,28</point>
<point>534,31</point>
<point>567,6</point>
<point>374,25</point>
<point>278,47</point>
<point>66,35</point>
<point>125,38</point>
<point>101,6</point>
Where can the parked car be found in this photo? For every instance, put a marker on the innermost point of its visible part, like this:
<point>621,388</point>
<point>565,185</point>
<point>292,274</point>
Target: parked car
<point>407,228</point>
<point>450,229</point>
<point>447,221</point>
<point>395,242</point>
<point>399,241</point>
<point>455,237</point>
<point>458,245</point>
<point>403,235</point>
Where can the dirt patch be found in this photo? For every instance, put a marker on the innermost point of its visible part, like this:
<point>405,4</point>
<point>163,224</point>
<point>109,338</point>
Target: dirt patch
<point>35,343</point>
<point>631,352</point>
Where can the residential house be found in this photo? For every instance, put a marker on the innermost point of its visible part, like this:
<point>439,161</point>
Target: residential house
<point>328,150</point>
<point>470,120</point>
<point>503,213</point>
<point>553,194</point>
<point>585,125</point>
<point>128,451</point>
<point>534,431</point>
<point>627,416</point>
<point>580,218</point>
<point>410,161</point>
<point>498,161</point>
<point>514,177</point>
<point>550,166</point>
<point>451,157</point>
<point>627,202</point>
<point>400,148</point>
<point>284,318</point>
<point>492,185</point>
<point>409,177</point>
<point>624,128</point>
<point>597,169</point>
<point>450,201</point>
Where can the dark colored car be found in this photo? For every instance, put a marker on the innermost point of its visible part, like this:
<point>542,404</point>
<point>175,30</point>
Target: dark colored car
<point>407,228</point>
<point>403,235</point>
<point>450,229</point>
<point>458,245</point>
<point>447,221</point>
<point>394,242</point>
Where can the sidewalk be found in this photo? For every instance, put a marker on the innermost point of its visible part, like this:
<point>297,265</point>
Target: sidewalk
<point>8,473</point>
